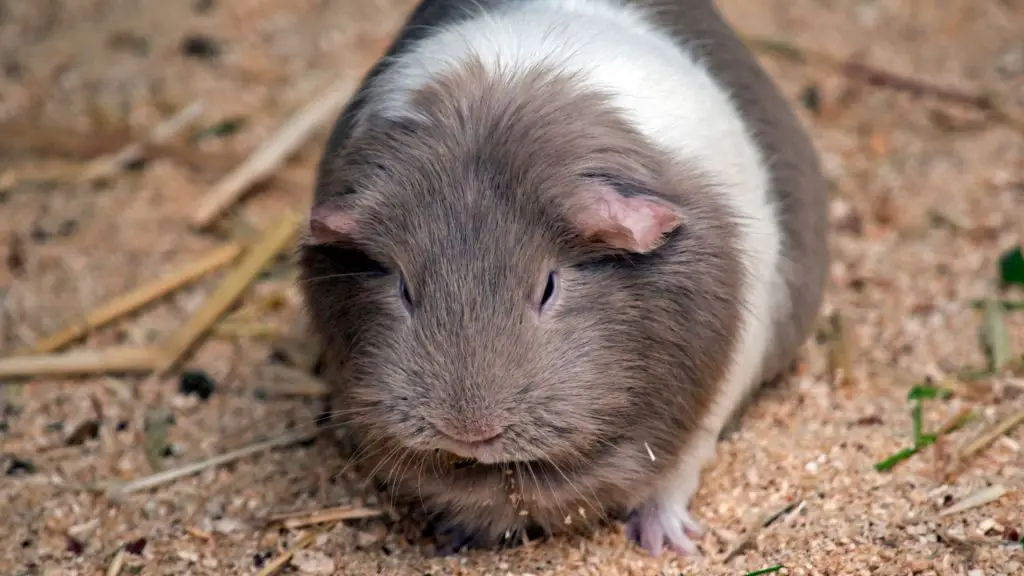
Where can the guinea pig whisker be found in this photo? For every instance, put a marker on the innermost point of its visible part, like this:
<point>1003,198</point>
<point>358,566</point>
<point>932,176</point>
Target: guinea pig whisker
<point>589,486</point>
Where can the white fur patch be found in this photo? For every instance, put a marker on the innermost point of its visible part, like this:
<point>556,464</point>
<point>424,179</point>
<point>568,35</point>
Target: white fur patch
<point>671,98</point>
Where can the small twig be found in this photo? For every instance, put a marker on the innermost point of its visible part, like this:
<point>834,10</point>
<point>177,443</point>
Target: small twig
<point>755,528</point>
<point>979,498</point>
<point>337,514</point>
<point>110,360</point>
<point>248,330</point>
<point>942,460</point>
<point>873,76</point>
<point>992,435</point>
<point>268,157</point>
<point>141,296</point>
<point>252,311</point>
<point>53,170</point>
<point>279,562</point>
<point>840,357</point>
<point>164,131</point>
<point>201,534</point>
<point>167,476</point>
<point>116,563</point>
<point>230,289</point>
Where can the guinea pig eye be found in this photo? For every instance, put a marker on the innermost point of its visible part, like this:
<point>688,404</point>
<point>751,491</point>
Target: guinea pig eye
<point>549,289</point>
<point>403,290</point>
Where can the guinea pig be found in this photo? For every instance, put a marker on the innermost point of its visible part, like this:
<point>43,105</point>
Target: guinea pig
<point>554,247</point>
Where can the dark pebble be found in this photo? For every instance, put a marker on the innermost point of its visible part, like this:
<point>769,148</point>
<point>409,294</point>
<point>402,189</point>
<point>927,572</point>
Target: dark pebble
<point>16,255</point>
<point>200,46</point>
<point>136,165</point>
<point>260,558</point>
<point>20,467</point>
<point>13,69</point>
<point>167,452</point>
<point>121,426</point>
<point>75,546</point>
<point>39,234</point>
<point>811,98</point>
<point>123,41</point>
<point>85,431</point>
<point>279,356</point>
<point>196,382</point>
<point>67,228</point>
<point>135,547</point>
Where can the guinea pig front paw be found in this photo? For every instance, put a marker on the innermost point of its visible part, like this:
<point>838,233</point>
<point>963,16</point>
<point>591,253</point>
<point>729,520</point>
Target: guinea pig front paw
<point>655,525</point>
<point>452,538</point>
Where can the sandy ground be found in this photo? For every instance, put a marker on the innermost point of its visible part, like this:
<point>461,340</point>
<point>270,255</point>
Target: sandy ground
<point>926,197</point>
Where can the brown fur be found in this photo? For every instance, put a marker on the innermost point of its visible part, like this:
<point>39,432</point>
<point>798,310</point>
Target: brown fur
<point>472,201</point>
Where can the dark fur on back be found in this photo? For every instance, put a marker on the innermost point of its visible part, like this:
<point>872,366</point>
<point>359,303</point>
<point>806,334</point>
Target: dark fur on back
<point>467,198</point>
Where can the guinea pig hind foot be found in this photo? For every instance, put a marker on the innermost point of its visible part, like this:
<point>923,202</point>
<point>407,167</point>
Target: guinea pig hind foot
<point>665,518</point>
<point>657,524</point>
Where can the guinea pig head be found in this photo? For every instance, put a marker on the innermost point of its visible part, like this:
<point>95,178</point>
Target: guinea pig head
<point>484,270</point>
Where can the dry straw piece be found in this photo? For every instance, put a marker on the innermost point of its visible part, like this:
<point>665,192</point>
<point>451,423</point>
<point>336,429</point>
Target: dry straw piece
<point>279,562</point>
<point>168,476</point>
<point>141,296</point>
<point>107,165</point>
<point>80,362</point>
<point>979,498</point>
<point>992,435</point>
<point>268,157</point>
<point>230,289</point>
<point>337,514</point>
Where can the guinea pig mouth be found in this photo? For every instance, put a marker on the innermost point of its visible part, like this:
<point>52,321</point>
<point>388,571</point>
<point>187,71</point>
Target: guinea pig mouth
<point>457,462</point>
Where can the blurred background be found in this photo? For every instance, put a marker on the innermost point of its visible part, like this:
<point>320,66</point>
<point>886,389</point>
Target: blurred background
<point>160,149</point>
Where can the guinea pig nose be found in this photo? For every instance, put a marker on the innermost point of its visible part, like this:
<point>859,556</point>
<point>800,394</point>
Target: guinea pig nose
<point>477,433</point>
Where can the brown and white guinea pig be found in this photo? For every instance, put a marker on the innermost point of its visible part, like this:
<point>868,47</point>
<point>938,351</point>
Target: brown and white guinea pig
<point>564,240</point>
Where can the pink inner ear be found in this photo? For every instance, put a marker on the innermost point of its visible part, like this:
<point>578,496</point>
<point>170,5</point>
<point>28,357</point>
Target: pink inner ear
<point>331,224</point>
<point>636,224</point>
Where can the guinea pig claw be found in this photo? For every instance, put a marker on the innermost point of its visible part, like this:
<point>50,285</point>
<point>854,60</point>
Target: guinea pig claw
<point>653,527</point>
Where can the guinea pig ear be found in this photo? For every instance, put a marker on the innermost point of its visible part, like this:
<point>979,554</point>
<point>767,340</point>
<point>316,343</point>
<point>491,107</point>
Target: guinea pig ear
<point>331,223</point>
<point>635,223</point>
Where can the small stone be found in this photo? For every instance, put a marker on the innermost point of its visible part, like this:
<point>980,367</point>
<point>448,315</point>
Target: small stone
<point>227,525</point>
<point>88,430</point>
<point>989,525</point>
<point>187,555</point>
<point>200,46</point>
<point>75,546</point>
<point>918,566</point>
<point>312,562</point>
<point>367,538</point>
<point>20,467</point>
<point>135,547</point>
<point>196,382</point>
